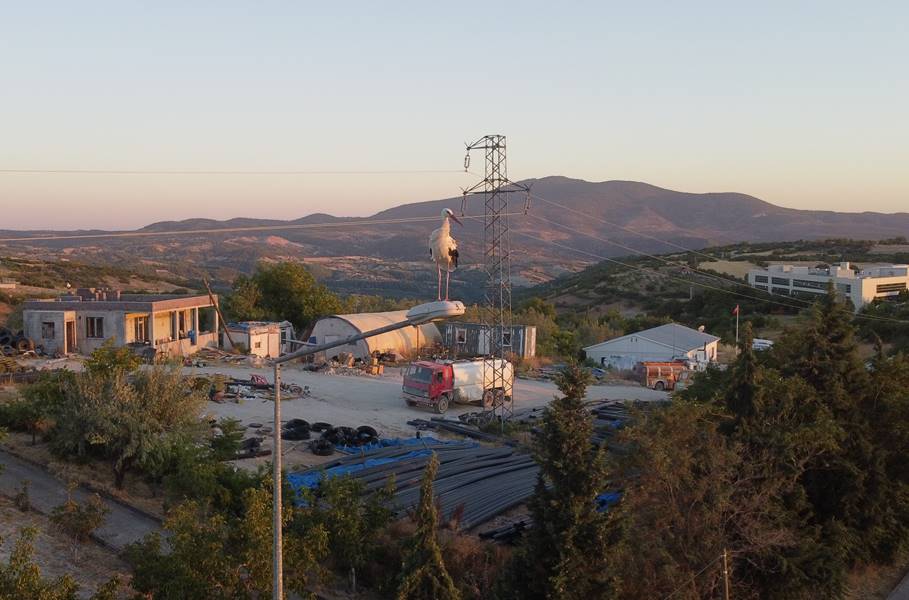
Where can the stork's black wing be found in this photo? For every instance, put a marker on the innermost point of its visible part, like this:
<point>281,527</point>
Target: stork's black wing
<point>453,253</point>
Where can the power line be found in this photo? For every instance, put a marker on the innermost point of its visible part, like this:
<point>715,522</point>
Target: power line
<point>691,282</point>
<point>220,172</point>
<point>653,256</point>
<point>214,230</point>
<point>805,303</point>
<point>695,576</point>
<point>622,227</point>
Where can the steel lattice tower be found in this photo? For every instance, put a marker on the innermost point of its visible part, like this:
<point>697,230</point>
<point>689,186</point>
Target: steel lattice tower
<point>495,314</point>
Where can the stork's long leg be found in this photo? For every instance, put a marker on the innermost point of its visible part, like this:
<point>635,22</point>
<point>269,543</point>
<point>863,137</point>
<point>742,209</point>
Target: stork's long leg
<point>447,278</point>
<point>439,295</point>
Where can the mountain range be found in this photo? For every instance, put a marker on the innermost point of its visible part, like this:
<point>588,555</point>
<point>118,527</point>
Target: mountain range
<point>569,222</point>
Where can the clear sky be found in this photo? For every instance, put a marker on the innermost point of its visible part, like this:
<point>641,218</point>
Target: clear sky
<point>803,104</point>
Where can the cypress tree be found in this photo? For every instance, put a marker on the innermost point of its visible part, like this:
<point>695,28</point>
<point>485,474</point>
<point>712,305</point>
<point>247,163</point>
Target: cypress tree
<point>565,554</point>
<point>424,576</point>
<point>741,395</point>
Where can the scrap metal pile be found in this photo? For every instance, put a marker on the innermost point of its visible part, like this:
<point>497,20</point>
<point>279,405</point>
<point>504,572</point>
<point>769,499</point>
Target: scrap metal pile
<point>477,482</point>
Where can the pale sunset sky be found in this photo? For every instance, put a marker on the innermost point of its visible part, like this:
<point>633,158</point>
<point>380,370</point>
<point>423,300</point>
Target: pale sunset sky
<point>803,104</point>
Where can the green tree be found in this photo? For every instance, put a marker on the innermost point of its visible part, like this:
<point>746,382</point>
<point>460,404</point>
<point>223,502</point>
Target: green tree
<point>245,300</point>
<point>279,291</point>
<point>223,556</point>
<point>423,575</point>
<point>226,445</point>
<point>740,397</point>
<point>79,520</point>
<point>200,563</point>
<point>21,577</point>
<point>564,554</point>
<point>352,518</point>
<point>109,359</point>
<point>130,421</point>
<point>301,554</point>
<point>691,491</point>
<point>849,488</point>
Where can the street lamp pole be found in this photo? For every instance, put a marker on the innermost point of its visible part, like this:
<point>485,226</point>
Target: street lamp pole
<point>423,313</point>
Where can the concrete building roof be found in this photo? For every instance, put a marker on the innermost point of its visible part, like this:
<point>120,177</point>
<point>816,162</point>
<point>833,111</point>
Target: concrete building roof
<point>671,335</point>
<point>127,302</point>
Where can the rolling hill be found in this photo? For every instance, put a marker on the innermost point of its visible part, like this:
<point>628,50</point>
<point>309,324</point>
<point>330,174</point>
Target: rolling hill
<point>353,254</point>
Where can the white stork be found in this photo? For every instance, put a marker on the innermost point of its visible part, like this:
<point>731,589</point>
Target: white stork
<point>443,249</point>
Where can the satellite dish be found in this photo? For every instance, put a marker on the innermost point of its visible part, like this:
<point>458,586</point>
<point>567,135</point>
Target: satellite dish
<point>701,329</point>
<point>68,285</point>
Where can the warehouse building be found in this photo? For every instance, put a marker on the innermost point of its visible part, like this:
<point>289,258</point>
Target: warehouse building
<point>401,342</point>
<point>859,286</point>
<point>169,324</point>
<point>468,340</point>
<point>661,344</point>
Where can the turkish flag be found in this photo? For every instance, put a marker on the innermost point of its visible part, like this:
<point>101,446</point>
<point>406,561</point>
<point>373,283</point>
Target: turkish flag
<point>735,310</point>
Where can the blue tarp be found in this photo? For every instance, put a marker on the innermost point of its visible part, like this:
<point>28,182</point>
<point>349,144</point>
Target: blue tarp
<point>310,479</point>
<point>607,499</point>
<point>393,443</point>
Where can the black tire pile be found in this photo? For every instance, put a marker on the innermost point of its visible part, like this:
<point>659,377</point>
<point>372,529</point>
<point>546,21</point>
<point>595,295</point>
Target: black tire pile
<point>12,344</point>
<point>295,429</point>
<point>331,436</point>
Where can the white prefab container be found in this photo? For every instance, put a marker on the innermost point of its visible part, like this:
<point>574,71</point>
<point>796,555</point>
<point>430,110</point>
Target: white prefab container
<point>472,378</point>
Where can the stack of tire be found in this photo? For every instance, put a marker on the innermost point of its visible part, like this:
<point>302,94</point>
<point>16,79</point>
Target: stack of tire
<point>14,343</point>
<point>295,429</point>
<point>341,436</point>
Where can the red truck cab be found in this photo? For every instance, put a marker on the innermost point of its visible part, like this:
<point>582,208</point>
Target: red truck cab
<point>429,384</point>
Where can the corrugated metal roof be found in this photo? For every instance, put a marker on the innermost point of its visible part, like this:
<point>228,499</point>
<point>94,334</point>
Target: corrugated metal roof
<point>401,339</point>
<point>671,335</point>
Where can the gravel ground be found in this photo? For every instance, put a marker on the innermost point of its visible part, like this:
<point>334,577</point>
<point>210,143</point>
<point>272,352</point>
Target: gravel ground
<point>368,400</point>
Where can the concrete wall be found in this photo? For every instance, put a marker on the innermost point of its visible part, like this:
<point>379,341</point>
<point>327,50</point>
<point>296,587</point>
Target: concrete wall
<point>33,321</point>
<point>185,347</point>
<point>264,342</point>
<point>113,325</point>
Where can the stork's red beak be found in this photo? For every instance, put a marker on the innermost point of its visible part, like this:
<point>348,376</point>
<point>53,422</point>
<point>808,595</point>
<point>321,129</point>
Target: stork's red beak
<point>457,220</point>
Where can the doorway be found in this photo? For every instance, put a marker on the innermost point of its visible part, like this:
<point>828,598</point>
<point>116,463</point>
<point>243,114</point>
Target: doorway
<point>69,337</point>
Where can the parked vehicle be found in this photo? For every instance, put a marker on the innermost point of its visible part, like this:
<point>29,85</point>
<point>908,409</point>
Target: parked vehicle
<point>664,375</point>
<point>438,384</point>
<point>760,345</point>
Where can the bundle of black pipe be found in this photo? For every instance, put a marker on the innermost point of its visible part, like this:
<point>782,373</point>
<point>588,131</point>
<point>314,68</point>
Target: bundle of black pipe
<point>479,482</point>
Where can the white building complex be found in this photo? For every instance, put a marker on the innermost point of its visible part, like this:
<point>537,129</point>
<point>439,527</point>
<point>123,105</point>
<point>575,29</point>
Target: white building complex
<point>807,282</point>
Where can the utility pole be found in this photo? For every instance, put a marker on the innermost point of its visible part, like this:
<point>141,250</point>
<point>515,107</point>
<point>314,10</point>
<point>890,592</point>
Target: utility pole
<point>725,575</point>
<point>495,313</point>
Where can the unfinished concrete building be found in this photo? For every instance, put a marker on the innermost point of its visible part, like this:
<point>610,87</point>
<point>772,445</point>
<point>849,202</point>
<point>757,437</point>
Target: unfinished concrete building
<point>170,324</point>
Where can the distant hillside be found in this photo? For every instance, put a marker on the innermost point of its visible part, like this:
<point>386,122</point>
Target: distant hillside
<point>613,210</point>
